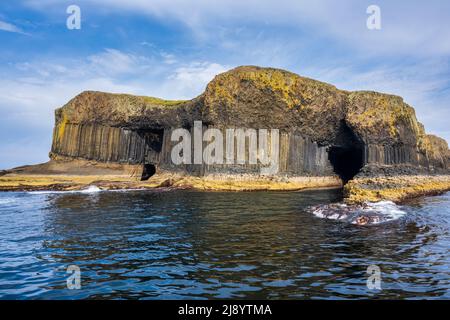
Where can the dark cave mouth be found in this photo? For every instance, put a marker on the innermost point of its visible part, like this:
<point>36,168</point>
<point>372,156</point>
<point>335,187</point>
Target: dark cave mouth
<point>148,171</point>
<point>346,154</point>
<point>347,161</point>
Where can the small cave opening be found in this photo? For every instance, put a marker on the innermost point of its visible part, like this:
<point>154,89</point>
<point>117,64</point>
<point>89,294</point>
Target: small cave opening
<point>148,171</point>
<point>346,155</point>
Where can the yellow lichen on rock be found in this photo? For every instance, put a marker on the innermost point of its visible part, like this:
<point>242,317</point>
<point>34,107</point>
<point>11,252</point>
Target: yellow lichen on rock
<point>435,148</point>
<point>62,127</point>
<point>397,189</point>
<point>280,82</point>
<point>277,81</point>
<point>255,183</point>
<point>375,113</point>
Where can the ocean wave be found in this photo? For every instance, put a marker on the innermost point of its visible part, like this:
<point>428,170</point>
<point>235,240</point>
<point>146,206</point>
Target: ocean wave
<point>95,189</point>
<point>90,189</point>
<point>7,201</point>
<point>369,213</point>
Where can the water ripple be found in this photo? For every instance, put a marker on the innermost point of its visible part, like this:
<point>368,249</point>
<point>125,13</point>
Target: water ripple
<point>199,245</point>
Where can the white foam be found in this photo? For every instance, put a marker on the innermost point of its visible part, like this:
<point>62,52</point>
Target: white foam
<point>335,213</point>
<point>373,212</point>
<point>90,189</point>
<point>318,213</point>
<point>7,201</point>
<point>386,208</point>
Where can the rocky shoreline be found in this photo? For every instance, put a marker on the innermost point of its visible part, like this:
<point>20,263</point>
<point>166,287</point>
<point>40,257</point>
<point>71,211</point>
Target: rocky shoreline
<point>64,182</point>
<point>394,188</point>
<point>370,144</point>
<point>80,175</point>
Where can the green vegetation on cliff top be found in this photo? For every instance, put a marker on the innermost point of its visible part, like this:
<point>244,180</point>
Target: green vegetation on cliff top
<point>148,100</point>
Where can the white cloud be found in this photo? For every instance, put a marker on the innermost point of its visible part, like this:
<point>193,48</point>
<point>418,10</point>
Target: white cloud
<point>193,77</point>
<point>415,28</point>
<point>169,58</point>
<point>113,61</point>
<point>5,26</point>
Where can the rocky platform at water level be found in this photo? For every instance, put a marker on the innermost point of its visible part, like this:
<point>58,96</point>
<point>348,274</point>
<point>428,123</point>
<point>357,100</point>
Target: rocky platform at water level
<point>328,137</point>
<point>396,188</point>
<point>73,175</point>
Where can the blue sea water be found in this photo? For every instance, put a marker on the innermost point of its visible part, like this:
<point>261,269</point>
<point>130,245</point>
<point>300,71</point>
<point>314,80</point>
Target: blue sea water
<point>204,245</point>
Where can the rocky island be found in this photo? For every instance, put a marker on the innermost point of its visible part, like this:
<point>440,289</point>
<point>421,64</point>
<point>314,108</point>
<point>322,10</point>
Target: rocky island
<point>367,142</point>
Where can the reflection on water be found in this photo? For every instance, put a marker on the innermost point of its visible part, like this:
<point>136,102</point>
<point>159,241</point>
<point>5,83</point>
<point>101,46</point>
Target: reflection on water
<point>185,244</point>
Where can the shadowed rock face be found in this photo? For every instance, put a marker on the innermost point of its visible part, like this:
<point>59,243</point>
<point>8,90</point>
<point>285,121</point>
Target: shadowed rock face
<point>324,131</point>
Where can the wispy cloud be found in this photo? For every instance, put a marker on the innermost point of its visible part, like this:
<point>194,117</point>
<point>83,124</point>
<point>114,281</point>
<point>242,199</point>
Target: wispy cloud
<point>194,76</point>
<point>415,28</point>
<point>113,61</point>
<point>8,27</point>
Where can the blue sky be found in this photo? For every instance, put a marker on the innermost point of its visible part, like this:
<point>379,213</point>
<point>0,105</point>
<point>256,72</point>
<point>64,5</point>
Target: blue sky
<point>171,49</point>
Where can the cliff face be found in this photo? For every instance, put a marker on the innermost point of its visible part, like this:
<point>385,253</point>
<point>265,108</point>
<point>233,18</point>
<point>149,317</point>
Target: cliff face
<point>323,130</point>
<point>388,127</point>
<point>269,98</point>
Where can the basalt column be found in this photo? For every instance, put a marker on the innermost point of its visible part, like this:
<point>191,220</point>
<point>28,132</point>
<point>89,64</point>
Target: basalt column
<point>108,144</point>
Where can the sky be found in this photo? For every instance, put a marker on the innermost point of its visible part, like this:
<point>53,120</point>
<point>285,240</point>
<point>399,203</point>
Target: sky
<point>172,49</point>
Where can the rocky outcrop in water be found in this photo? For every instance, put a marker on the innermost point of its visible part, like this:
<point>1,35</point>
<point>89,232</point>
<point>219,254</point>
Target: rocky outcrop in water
<point>324,131</point>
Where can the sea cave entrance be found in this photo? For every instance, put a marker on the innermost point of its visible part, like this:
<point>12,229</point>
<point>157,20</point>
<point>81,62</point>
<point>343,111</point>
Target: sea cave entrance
<point>148,171</point>
<point>346,155</point>
<point>153,140</point>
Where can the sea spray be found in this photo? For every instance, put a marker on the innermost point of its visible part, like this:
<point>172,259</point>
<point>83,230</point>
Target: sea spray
<point>90,189</point>
<point>369,213</point>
